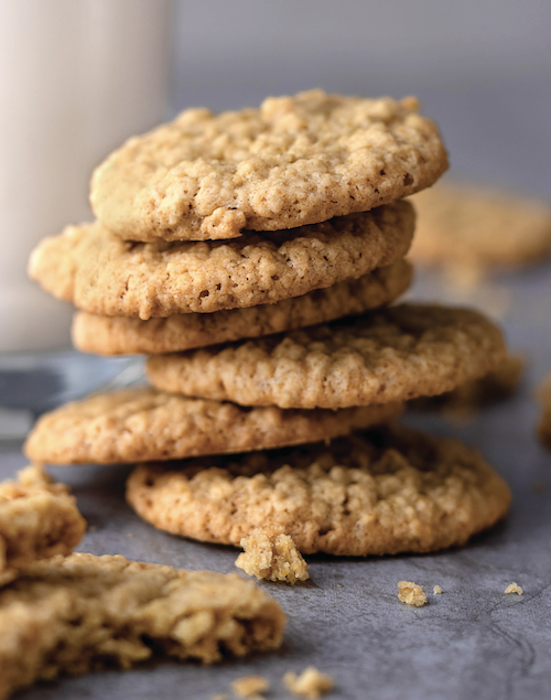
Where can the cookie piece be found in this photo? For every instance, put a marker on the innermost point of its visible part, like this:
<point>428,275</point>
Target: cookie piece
<point>102,274</point>
<point>84,612</point>
<point>253,687</point>
<point>412,594</point>
<point>272,558</point>
<point>144,424</point>
<point>544,399</point>
<point>311,683</point>
<point>473,396</point>
<point>470,226</point>
<point>295,161</point>
<point>38,519</point>
<point>393,354</point>
<point>384,492</point>
<point>111,335</point>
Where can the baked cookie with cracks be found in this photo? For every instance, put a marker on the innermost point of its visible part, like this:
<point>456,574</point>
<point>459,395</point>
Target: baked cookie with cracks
<point>145,424</point>
<point>102,274</point>
<point>383,492</point>
<point>392,354</point>
<point>296,160</point>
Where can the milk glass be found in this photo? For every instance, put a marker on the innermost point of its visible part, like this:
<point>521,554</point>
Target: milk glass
<point>76,78</point>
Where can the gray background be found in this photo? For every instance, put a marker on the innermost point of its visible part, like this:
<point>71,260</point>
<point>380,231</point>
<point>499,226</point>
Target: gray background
<point>480,67</point>
<point>482,70</point>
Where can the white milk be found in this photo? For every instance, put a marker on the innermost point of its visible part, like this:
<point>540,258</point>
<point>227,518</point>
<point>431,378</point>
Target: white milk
<point>76,78</point>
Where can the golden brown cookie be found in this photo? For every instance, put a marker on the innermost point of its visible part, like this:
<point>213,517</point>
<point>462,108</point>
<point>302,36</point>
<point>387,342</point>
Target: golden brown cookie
<point>393,354</point>
<point>102,274</point>
<point>472,396</point>
<point>38,519</point>
<point>295,161</point>
<point>144,424</point>
<point>84,612</point>
<point>544,399</point>
<point>471,226</point>
<point>383,492</point>
<point>112,335</point>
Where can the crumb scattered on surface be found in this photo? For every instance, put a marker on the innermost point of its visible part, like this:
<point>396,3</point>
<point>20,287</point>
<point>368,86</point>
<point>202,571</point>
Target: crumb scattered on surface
<point>513,588</point>
<point>339,585</point>
<point>250,686</point>
<point>220,696</point>
<point>437,589</point>
<point>411,594</point>
<point>311,683</point>
<point>274,558</point>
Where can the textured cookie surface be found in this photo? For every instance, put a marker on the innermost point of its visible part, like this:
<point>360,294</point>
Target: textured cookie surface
<point>544,398</point>
<point>105,275</point>
<point>476,226</point>
<point>473,396</point>
<point>113,335</point>
<point>383,492</point>
<point>393,354</point>
<point>38,519</point>
<point>296,160</point>
<point>144,424</point>
<point>84,612</point>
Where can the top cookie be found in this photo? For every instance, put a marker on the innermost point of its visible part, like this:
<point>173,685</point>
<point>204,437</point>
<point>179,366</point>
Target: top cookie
<point>477,226</point>
<point>294,161</point>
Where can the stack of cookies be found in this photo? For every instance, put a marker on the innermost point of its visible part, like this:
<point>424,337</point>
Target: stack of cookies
<point>253,256</point>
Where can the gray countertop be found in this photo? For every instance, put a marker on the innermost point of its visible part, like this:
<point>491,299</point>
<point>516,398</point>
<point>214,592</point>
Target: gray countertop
<point>471,641</point>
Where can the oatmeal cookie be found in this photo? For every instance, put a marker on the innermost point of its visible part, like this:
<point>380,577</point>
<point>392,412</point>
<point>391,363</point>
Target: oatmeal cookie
<point>102,274</point>
<point>473,396</point>
<point>81,613</point>
<point>112,335</point>
<point>144,424</point>
<point>463,225</point>
<point>383,492</point>
<point>393,354</point>
<point>295,161</point>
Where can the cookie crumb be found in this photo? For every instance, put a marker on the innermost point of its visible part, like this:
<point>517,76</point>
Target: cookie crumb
<point>339,585</point>
<point>250,686</point>
<point>513,588</point>
<point>274,558</point>
<point>220,696</point>
<point>311,683</point>
<point>411,594</point>
<point>437,589</point>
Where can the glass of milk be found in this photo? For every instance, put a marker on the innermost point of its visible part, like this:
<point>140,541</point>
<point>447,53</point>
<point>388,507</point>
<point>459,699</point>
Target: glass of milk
<point>77,77</point>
